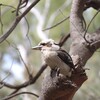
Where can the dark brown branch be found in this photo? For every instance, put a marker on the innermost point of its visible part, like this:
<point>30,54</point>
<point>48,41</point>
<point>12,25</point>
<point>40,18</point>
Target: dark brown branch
<point>17,10</point>
<point>24,3</point>
<point>21,4</point>
<point>15,91</point>
<point>63,40</point>
<point>18,18</point>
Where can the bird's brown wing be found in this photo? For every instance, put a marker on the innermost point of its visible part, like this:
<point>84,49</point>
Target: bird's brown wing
<point>66,58</point>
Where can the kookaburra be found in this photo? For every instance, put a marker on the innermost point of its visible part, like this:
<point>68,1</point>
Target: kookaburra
<point>55,57</point>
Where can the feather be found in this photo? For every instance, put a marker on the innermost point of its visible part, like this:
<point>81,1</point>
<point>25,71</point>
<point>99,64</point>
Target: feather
<point>66,58</point>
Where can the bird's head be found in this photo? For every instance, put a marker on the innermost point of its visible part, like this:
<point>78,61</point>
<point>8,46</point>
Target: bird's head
<point>48,44</point>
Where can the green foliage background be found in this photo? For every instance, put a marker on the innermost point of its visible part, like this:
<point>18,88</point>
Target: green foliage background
<point>19,37</point>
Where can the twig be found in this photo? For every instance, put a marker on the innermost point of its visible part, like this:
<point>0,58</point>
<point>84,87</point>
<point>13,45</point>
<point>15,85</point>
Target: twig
<point>62,13</point>
<point>30,76</point>
<point>15,91</point>
<point>25,3</point>
<point>63,39</point>
<point>1,23</point>
<point>21,59</point>
<point>25,20</point>
<point>28,27</point>
<point>18,7</point>
<point>13,95</point>
<point>89,26</point>
<point>8,72</point>
<point>21,5</point>
<point>24,63</point>
<point>27,83</point>
<point>7,6</point>
<point>17,20</point>
<point>56,24</point>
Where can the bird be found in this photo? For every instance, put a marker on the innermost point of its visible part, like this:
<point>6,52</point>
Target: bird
<point>55,57</point>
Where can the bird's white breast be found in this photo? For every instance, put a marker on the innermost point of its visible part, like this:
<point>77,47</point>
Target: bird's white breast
<point>51,58</point>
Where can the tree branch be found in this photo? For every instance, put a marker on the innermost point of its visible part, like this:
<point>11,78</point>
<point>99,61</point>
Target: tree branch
<point>53,26</point>
<point>63,40</point>
<point>76,18</point>
<point>14,95</point>
<point>27,83</point>
<point>17,20</point>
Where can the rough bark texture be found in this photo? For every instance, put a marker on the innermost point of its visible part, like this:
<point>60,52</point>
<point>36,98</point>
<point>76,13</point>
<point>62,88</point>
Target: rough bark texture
<point>57,88</point>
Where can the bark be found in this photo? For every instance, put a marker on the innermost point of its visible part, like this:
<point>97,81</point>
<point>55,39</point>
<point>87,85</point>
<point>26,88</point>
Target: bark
<point>57,88</point>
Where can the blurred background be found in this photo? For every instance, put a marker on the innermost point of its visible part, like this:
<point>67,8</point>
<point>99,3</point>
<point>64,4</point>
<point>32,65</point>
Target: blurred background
<point>28,33</point>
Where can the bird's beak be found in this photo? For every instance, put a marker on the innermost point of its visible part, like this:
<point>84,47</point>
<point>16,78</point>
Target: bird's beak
<point>37,48</point>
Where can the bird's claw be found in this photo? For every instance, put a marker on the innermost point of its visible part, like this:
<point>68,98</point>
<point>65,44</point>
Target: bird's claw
<point>69,83</point>
<point>55,72</point>
<point>83,71</point>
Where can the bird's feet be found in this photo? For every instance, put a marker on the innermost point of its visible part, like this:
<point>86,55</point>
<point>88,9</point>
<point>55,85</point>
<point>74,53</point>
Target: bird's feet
<point>69,83</point>
<point>65,82</point>
<point>62,80</point>
<point>82,72</point>
<point>55,72</point>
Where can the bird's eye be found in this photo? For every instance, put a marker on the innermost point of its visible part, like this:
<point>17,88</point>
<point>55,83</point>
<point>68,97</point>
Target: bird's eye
<point>43,44</point>
<point>49,44</point>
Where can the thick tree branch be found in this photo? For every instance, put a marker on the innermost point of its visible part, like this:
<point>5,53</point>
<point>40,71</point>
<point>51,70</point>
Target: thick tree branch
<point>76,18</point>
<point>57,88</point>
